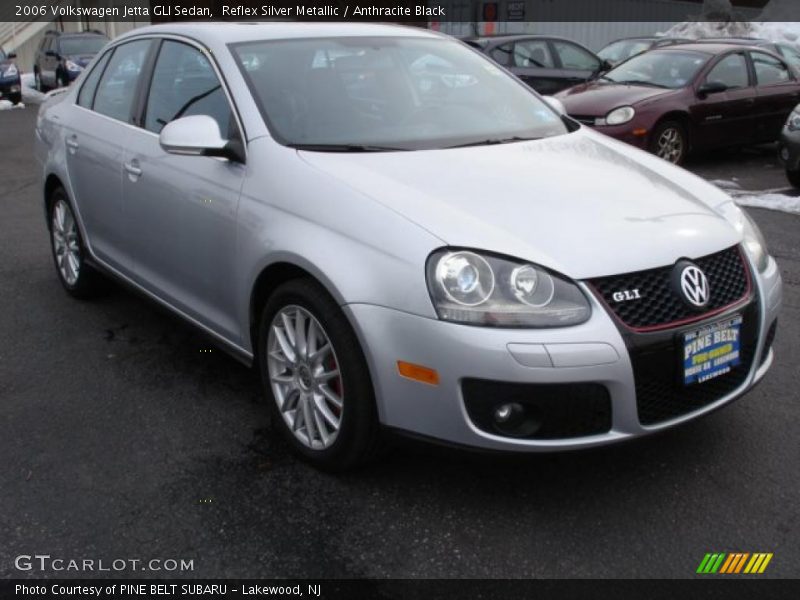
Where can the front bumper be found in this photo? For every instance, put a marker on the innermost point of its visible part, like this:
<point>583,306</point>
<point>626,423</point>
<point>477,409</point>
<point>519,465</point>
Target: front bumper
<point>10,89</point>
<point>592,353</point>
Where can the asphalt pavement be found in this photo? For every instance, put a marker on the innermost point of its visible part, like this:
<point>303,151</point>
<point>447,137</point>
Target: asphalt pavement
<point>123,437</point>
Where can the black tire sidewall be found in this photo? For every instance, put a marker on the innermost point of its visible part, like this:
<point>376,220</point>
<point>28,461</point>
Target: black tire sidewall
<point>659,129</point>
<point>794,178</point>
<point>358,430</point>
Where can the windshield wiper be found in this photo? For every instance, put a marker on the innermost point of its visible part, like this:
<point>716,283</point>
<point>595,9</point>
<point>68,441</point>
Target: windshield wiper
<point>639,82</point>
<point>346,148</point>
<point>495,141</point>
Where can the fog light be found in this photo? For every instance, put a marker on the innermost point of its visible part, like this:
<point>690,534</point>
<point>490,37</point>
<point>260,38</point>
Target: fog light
<point>506,412</point>
<point>785,153</point>
<point>513,419</point>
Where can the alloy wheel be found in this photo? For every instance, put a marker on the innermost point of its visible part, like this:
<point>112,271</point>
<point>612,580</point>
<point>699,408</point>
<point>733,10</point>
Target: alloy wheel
<point>65,243</point>
<point>669,145</point>
<point>305,377</point>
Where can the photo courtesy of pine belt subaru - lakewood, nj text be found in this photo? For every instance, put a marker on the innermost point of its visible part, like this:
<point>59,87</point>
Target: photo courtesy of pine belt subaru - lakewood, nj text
<point>399,234</point>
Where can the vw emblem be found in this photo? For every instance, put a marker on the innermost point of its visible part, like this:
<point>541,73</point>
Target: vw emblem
<point>693,284</point>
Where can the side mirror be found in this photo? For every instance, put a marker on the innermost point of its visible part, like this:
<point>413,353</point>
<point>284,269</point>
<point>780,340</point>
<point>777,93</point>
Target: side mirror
<point>198,135</point>
<point>12,55</point>
<point>711,87</point>
<point>606,65</point>
<point>555,104</point>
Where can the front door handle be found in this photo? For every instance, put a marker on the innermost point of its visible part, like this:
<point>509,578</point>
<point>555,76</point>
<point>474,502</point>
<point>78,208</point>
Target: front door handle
<point>133,168</point>
<point>72,143</point>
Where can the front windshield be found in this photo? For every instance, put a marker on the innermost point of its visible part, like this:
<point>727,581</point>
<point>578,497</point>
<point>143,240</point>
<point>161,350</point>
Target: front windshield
<point>91,44</point>
<point>622,50</point>
<point>388,93</point>
<point>659,68</point>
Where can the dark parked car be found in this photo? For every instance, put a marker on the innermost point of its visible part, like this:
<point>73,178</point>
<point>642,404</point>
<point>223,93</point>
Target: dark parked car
<point>789,147</point>
<point>620,50</point>
<point>690,96</point>
<point>789,53</point>
<point>61,57</point>
<point>10,84</point>
<point>547,64</point>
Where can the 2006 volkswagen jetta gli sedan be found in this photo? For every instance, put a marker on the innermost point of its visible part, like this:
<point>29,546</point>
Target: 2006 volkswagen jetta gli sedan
<point>399,234</point>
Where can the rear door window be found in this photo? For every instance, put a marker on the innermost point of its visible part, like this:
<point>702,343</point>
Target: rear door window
<point>86,95</point>
<point>117,88</point>
<point>769,70</point>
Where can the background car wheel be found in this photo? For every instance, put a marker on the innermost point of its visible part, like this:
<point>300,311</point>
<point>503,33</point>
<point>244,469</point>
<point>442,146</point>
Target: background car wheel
<point>315,377</point>
<point>69,252</point>
<point>37,79</point>
<point>669,142</point>
<point>793,177</point>
<point>16,98</point>
<point>61,82</point>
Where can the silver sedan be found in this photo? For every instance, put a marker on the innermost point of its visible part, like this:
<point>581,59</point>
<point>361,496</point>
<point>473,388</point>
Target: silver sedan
<point>399,234</point>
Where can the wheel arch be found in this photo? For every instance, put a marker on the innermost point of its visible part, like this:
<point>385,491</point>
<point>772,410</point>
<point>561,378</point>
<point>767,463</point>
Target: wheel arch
<point>275,274</point>
<point>51,183</point>
<point>682,117</point>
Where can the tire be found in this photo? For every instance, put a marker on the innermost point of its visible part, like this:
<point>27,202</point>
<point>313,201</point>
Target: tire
<point>670,142</point>
<point>37,78</point>
<point>79,279</point>
<point>61,82</point>
<point>794,178</point>
<point>16,98</point>
<point>303,390</point>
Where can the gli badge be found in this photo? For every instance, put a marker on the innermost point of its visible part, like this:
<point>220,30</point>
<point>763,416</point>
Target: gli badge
<point>691,284</point>
<point>626,295</point>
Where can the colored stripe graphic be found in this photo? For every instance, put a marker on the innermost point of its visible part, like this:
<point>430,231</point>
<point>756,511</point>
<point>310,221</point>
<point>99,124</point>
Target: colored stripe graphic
<point>734,562</point>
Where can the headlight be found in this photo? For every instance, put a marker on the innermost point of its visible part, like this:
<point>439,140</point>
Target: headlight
<point>793,122</point>
<point>620,115</point>
<point>74,67</point>
<point>481,289</point>
<point>11,71</point>
<point>754,242</point>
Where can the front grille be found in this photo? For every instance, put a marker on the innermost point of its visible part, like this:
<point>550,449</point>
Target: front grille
<point>660,305</point>
<point>658,372</point>
<point>555,411</point>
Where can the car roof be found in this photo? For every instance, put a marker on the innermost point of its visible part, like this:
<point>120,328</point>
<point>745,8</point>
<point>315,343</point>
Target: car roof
<point>737,41</point>
<point>234,32</point>
<point>82,34</point>
<point>702,47</point>
<point>514,37</point>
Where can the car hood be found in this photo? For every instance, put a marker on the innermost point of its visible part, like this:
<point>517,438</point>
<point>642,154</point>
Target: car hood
<point>598,98</point>
<point>582,204</point>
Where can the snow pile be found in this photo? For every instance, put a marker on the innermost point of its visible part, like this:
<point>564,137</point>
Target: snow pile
<point>780,202</point>
<point>8,105</point>
<point>719,19</point>
<point>29,91</point>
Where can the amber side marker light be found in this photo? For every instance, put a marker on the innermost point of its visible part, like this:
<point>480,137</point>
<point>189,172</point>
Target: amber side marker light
<point>639,132</point>
<point>418,372</point>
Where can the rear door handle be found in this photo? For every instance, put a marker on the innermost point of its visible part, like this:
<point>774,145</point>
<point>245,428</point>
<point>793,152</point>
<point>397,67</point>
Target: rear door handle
<point>133,168</point>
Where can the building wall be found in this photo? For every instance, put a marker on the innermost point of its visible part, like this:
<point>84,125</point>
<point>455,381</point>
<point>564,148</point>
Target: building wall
<point>26,51</point>
<point>631,18</point>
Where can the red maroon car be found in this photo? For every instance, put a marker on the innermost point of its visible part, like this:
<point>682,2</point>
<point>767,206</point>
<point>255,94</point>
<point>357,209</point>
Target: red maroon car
<point>689,97</point>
